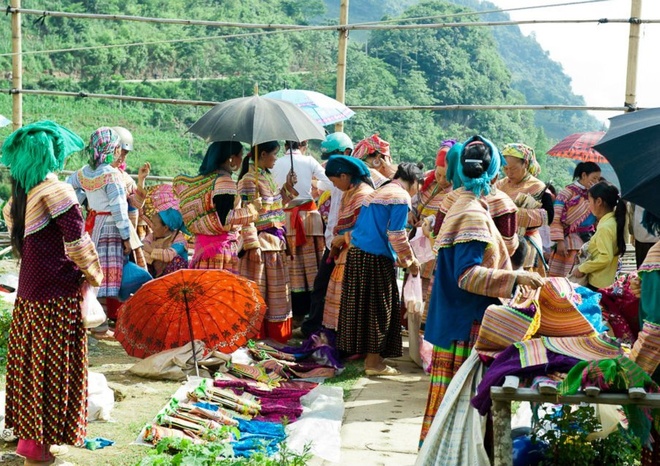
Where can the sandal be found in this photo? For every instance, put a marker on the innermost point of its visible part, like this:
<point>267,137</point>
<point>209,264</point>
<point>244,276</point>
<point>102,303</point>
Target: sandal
<point>107,335</point>
<point>387,371</point>
<point>59,450</point>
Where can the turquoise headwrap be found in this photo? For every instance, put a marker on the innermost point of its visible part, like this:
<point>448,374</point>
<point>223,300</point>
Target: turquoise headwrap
<point>481,186</point>
<point>172,219</point>
<point>338,164</point>
<point>33,151</point>
<point>452,161</point>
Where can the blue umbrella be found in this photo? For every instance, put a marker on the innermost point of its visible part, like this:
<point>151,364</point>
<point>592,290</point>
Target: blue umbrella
<point>321,108</point>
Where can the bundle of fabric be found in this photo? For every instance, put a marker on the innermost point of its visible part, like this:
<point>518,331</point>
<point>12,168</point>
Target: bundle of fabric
<point>510,362</point>
<point>201,417</point>
<point>320,347</point>
<point>564,310</point>
<point>286,365</point>
<point>618,374</point>
<point>620,308</point>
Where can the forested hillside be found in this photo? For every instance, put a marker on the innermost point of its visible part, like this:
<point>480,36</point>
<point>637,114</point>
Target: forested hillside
<point>439,66</point>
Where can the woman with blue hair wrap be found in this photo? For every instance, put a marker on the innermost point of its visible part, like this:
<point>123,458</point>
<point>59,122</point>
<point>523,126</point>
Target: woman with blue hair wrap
<point>500,206</point>
<point>352,177</point>
<point>473,270</point>
<point>165,248</point>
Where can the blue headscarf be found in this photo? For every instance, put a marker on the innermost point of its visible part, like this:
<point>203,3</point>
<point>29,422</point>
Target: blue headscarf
<point>338,164</point>
<point>481,186</point>
<point>452,161</point>
<point>172,219</point>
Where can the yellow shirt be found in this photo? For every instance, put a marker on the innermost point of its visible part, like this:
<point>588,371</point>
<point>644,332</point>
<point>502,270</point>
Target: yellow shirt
<point>603,254</point>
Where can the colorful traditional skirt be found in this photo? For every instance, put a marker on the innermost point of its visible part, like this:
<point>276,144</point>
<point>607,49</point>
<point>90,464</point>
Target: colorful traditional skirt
<point>110,248</point>
<point>47,372</point>
<point>271,276</point>
<point>533,260</point>
<point>175,264</point>
<point>444,365</point>
<point>333,294</point>
<point>369,311</point>
<point>304,265</point>
<point>561,266</point>
<point>216,252</point>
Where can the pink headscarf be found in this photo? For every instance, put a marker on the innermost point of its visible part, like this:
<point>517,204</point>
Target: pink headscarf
<point>370,145</point>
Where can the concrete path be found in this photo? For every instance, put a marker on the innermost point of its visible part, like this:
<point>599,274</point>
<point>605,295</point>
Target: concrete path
<point>383,418</point>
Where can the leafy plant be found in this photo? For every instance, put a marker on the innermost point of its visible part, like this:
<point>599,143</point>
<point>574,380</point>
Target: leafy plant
<point>5,323</point>
<point>568,444</point>
<point>183,452</point>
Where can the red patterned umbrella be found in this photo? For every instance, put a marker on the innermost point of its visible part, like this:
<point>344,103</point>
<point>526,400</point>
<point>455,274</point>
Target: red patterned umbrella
<point>215,306</point>
<point>579,146</point>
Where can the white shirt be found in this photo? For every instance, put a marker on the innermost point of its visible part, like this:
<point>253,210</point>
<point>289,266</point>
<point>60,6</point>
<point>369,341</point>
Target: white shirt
<point>333,215</point>
<point>640,233</point>
<point>306,168</point>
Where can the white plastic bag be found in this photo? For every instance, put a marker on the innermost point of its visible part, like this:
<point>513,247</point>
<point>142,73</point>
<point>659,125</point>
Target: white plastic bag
<point>91,309</point>
<point>412,295</point>
<point>422,247</point>
<point>101,398</point>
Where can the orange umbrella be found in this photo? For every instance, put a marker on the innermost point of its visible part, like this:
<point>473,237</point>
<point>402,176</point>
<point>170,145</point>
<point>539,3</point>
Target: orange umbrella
<point>215,306</point>
<point>579,146</point>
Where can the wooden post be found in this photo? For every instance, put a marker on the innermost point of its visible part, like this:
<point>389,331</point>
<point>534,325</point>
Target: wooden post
<point>341,57</point>
<point>16,67</point>
<point>503,454</point>
<point>633,55</point>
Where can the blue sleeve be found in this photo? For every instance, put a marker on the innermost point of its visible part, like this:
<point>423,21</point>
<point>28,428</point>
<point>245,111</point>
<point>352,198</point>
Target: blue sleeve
<point>73,180</point>
<point>118,205</point>
<point>398,217</point>
<point>467,255</point>
<point>181,250</point>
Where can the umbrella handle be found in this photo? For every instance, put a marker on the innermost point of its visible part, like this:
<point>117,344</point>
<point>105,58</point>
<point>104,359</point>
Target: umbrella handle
<point>192,336</point>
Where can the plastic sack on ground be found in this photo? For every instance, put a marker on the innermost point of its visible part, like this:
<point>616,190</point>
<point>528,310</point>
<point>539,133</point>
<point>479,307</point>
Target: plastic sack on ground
<point>320,424</point>
<point>178,363</point>
<point>101,398</point>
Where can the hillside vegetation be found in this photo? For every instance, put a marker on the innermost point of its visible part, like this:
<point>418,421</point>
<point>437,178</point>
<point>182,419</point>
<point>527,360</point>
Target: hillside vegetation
<point>412,67</point>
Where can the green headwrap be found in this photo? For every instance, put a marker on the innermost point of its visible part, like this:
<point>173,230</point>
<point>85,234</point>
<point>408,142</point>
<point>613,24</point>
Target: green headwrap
<point>33,151</point>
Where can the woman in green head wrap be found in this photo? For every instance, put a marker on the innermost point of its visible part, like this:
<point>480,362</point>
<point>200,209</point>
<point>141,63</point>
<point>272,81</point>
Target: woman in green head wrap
<point>535,204</point>
<point>47,351</point>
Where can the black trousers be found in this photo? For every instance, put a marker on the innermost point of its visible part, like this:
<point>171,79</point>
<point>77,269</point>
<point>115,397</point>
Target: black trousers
<point>314,319</point>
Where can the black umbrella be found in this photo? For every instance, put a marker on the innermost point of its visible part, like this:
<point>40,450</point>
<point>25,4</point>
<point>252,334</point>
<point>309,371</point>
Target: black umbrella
<point>632,146</point>
<point>255,120</point>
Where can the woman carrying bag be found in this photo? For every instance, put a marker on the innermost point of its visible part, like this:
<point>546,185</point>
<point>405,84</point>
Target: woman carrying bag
<point>47,352</point>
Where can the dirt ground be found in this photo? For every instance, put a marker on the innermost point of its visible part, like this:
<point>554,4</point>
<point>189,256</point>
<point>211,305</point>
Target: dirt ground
<point>144,398</point>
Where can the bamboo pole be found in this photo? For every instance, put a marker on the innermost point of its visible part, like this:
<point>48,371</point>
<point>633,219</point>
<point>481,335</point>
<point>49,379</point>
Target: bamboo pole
<point>434,108</point>
<point>16,68</point>
<point>341,57</point>
<point>295,27</point>
<point>633,55</point>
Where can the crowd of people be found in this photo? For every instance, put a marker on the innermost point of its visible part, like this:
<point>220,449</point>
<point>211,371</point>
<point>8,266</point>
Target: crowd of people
<point>323,241</point>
